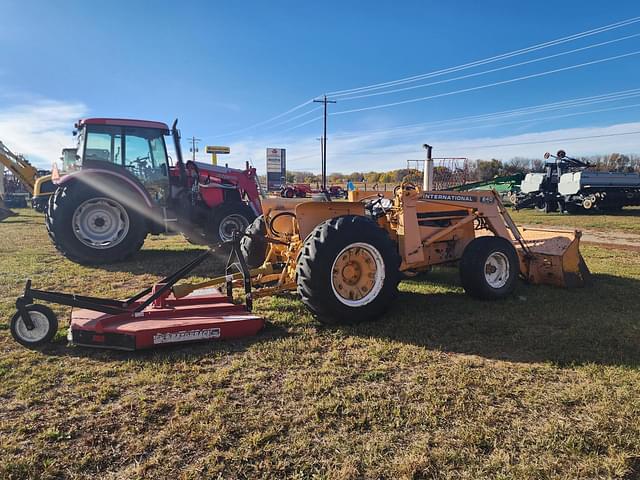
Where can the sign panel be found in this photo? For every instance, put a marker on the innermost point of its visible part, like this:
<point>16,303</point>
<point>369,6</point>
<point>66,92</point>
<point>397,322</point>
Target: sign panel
<point>276,168</point>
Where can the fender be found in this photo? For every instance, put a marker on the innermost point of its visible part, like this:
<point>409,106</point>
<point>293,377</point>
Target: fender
<point>99,176</point>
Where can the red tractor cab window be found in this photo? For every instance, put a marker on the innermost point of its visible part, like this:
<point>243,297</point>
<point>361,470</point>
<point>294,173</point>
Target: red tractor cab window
<point>141,151</point>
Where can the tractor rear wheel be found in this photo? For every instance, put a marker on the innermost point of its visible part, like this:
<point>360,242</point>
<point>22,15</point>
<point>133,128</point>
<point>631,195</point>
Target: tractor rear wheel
<point>228,218</point>
<point>489,268</point>
<point>348,270</point>
<point>254,249</point>
<point>91,228</point>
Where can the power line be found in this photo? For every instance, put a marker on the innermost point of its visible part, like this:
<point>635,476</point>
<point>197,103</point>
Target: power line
<point>527,120</point>
<point>577,102</point>
<point>484,72</point>
<point>296,117</point>
<point>488,85</point>
<point>264,122</point>
<point>493,59</point>
<point>549,140</point>
<point>563,104</point>
<point>469,147</point>
<point>421,134</point>
<point>414,78</point>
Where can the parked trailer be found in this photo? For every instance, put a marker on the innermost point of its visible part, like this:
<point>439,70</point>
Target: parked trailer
<point>567,185</point>
<point>603,190</point>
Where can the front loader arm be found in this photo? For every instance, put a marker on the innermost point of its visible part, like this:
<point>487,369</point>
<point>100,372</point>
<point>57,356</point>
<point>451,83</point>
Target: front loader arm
<point>19,166</point>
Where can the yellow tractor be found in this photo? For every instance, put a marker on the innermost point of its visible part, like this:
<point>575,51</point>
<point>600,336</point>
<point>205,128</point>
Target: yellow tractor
<point>346,258</point>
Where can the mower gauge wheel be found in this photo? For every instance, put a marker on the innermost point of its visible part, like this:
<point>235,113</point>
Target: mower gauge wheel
<point>45,326</point>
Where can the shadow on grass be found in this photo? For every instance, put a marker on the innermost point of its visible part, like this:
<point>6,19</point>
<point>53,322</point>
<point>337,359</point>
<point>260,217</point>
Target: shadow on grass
<point>169,353</point>
<point>22,220</point>
<point>596,324</point>
<point>163,262</point>
<point>610,213</point>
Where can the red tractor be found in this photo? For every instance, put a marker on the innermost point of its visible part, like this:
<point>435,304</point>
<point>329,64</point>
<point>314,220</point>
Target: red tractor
<point>299,190</point>
<point>128,187</point>
<point>302,190</point>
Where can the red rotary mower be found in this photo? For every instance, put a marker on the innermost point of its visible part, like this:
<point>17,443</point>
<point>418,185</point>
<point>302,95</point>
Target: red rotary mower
<point>152,317</point>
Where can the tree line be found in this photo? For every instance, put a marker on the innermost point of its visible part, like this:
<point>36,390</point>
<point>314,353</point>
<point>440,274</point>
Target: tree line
<point>469,171</point>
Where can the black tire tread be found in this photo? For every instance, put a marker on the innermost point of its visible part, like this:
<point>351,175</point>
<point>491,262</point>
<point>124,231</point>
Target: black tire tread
<point>61,199</point>
<point>314,290</point>
<point>223,210</point>
<point>255,249</point>
<point>472,267</point>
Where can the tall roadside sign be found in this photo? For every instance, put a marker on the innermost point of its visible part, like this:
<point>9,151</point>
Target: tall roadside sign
<point>276,168</point>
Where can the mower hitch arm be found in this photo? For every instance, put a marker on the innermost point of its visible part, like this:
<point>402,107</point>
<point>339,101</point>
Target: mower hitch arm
<point>105,305</point>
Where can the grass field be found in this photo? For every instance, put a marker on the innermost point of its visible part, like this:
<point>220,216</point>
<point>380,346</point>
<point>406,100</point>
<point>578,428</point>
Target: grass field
<point>543,385</point>
<point>627,220</point>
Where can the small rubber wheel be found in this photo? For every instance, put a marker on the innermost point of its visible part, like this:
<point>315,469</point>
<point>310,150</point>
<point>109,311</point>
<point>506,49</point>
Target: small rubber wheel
<point>45,325</point>
<point>254,249</point>
<point>489,268</point>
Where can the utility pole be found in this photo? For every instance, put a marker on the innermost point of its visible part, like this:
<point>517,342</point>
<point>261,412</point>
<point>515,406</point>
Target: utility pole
<point>320,139</point>
<point>325,101</point>
<point>194,147</point>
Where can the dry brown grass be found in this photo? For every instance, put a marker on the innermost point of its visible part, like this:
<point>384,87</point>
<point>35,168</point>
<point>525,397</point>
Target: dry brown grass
<point>544,385</point>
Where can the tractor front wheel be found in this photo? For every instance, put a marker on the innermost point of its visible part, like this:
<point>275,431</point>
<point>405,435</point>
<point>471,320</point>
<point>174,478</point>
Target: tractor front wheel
<point>254,248</point>
<point>228,218</point>
<point>348,270</point>
<point>489,268</point>
<point>91,228</point>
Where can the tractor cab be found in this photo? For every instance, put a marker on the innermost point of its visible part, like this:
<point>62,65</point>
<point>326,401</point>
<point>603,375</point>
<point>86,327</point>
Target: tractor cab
<point>135,148</point>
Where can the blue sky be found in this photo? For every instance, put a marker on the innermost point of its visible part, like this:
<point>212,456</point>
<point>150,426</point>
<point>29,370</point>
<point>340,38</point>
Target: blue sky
<point>224,66</point>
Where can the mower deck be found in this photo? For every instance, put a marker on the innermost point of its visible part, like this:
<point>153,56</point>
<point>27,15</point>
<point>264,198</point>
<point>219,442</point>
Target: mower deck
<point>203,315</point>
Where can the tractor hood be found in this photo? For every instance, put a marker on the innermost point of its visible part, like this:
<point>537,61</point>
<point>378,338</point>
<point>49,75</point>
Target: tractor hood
<point>206,168</point>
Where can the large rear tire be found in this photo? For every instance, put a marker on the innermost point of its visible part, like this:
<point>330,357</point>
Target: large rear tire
<point>92,228</point>
<point>228,218</point>
<point>489,268</point>
<point>254,249</point>
<point>348,270</point>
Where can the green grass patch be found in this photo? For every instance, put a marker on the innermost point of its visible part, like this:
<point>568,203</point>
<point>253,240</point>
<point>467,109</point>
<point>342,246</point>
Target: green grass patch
<point>627,220</point>
<point>543,385</point>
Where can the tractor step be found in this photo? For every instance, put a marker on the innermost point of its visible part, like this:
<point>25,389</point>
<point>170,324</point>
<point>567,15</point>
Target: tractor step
<point>201,316</point>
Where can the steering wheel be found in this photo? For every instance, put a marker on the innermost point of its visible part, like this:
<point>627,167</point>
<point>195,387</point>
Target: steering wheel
<point>141,161</point>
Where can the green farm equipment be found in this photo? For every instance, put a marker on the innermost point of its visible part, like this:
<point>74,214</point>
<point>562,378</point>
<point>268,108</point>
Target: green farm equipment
<point>507,186</point>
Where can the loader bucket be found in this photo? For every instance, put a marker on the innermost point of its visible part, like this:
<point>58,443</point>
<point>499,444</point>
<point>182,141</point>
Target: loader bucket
<point>554,259</point>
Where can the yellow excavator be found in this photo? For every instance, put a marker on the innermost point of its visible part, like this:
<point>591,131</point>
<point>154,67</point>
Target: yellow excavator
<point>37,182</point>
<point>21,169</point>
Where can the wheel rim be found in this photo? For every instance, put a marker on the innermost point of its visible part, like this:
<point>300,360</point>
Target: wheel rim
<point>100,223</point>
<point>231,224</point>
<point>357,274</point>
<point>40,327</point>
<point>496,270</point>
